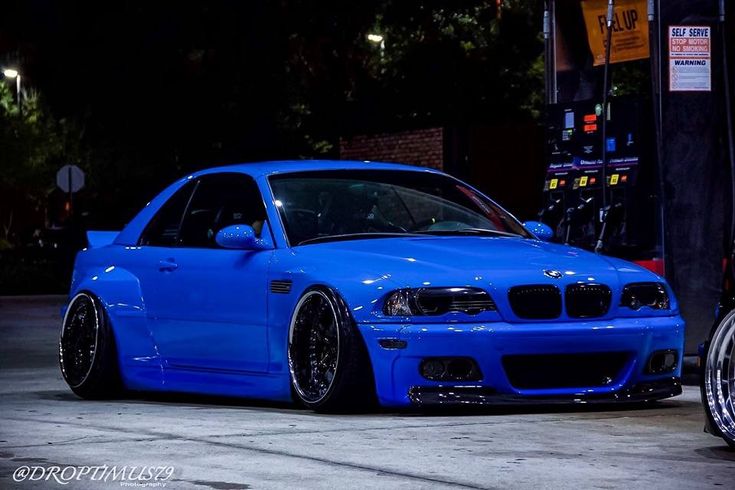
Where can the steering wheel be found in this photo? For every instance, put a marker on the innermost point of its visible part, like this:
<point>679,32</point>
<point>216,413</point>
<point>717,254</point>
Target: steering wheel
<point>423,225</point>
<point>433,225</point>
<point>301,213</point>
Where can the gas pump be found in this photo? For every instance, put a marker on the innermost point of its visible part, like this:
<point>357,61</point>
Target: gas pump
<point>622,222</point>
<point>655,166</point>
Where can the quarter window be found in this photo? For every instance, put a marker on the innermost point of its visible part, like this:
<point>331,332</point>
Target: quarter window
<point>163,229</point>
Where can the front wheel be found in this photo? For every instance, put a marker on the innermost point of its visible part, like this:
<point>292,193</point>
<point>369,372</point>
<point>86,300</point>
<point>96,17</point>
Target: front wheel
<point>328,363</point>
<point>718,389</point>
<point>87,355</point>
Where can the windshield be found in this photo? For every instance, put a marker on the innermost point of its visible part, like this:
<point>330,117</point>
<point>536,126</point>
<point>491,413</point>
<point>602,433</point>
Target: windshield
<point>352,204</point>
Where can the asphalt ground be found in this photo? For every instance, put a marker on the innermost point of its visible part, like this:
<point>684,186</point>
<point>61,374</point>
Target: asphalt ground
<point>212,443</point>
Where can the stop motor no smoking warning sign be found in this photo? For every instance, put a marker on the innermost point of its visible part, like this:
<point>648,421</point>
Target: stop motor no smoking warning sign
<point>690,59</point>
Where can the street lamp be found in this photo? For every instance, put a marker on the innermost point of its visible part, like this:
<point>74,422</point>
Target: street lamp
<point>375,38</point>
<point>380,41</point>
<point>12,73</point>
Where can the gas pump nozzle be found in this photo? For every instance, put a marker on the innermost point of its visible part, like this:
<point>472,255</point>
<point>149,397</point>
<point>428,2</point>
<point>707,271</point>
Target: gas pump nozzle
<point>575,214</point>
<point>550,209</point>
<point>611,215</point>
<point>549,214</point>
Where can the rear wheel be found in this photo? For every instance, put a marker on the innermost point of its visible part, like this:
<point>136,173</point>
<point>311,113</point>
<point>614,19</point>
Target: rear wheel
<point>329,366</point>
<point>87,354</point>
<point>718,387</point>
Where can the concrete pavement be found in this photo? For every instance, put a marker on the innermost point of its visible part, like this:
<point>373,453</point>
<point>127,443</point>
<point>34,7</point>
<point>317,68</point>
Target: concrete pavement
<point>220,444</point>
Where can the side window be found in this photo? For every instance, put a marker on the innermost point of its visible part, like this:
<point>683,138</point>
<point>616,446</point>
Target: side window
<point>163,229</point>
<point>221,200</point>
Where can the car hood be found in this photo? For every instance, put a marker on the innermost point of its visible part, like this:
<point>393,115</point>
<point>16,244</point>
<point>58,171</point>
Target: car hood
<point>413,261</point>
<point>366,270</point>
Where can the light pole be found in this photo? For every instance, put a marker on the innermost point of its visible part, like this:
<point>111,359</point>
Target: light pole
<point>11,73</point>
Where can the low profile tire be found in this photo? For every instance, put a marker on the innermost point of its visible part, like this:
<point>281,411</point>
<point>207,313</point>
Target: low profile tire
<point>87,355</point>
<point>328,362</point>
<point>718,383</point>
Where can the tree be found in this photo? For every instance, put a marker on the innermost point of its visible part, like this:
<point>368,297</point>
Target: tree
<point>34,144</point>
<point>442,63</point>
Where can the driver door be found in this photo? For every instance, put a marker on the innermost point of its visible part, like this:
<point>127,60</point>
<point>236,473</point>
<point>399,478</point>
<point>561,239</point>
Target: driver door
<point>213,313</point>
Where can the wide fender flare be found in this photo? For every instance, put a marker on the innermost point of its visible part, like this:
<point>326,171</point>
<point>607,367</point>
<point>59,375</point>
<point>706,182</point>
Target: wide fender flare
<point>121,296</point>
<point>359,295</point>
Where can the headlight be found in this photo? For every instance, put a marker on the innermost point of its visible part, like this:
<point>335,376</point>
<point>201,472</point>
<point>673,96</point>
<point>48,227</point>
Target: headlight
<point>651,294</point>
<point>437,301</point>
<point>400,303</point>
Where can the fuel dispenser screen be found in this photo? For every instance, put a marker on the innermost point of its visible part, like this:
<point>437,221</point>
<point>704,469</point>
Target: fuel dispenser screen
<point>574,145</point>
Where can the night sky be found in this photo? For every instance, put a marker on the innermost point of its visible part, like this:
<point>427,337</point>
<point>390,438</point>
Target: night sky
<point>157,89</point>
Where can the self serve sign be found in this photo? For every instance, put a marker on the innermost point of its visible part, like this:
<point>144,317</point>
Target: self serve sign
<point>690,59</point>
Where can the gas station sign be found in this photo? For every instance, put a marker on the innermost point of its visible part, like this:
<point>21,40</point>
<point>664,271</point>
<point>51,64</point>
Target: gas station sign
<point>629,26</point>
<point>690,59</point>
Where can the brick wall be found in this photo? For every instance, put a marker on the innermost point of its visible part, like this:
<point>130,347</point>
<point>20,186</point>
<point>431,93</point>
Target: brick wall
<point>422,147</point>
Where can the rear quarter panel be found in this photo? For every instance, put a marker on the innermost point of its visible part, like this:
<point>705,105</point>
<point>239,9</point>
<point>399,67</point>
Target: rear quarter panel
<point>102,272</point>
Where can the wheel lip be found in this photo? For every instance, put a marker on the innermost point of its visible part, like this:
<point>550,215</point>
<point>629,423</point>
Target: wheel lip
<point>96,338</point>
<point>724,332</point>
<point>292,324</point>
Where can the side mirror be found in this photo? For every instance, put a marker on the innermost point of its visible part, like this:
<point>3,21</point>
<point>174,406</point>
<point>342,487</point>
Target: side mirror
<point>541,230</point>
<point>240,237</point>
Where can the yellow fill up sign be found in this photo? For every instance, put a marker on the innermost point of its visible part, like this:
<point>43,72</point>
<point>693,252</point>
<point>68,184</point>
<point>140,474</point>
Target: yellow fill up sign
<point>629,30</point>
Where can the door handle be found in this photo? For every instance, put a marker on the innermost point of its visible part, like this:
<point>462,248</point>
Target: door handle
<point>167,265</point>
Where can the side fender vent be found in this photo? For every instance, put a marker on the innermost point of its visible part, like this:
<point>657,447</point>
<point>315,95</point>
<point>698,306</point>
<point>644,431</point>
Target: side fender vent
<point>281,286</point>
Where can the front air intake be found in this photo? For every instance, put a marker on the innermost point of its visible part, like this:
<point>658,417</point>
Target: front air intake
<point>587,300</point>
<point>548,371</point>
<point>535,301</point>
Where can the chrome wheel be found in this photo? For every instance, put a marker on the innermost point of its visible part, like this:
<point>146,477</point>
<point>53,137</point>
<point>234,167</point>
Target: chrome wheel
<point>719,377</point>
<point>313,346</point>
<point>79,339</point>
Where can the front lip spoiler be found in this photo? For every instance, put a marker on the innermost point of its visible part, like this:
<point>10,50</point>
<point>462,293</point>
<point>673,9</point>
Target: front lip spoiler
<point>479,395</point>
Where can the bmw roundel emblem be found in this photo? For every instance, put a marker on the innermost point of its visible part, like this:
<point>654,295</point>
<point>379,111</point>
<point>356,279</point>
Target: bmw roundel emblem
<point>552,274</point>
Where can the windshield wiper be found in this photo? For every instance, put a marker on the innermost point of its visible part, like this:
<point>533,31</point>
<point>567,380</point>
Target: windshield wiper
<point>353,236</point>
<point>469,231</point>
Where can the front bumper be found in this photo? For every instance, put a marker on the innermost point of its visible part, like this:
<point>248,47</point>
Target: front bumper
<point>399,382</point>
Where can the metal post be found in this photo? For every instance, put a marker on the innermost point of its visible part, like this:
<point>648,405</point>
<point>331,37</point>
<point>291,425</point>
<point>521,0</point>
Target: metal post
<point>729,121</point>
<point>549,52</point>
<point>605,116</point>
<point>547,60</point>
<point>605,96</point>
<point>17,91</point>
<point>71,203</point>
<point>656,61</point>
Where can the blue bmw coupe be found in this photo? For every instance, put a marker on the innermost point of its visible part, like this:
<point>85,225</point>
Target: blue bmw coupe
<point>337,284</point>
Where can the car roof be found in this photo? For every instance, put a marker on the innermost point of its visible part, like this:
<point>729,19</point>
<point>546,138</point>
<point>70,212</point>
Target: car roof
<point>257,169</point>
<point>130,233</point>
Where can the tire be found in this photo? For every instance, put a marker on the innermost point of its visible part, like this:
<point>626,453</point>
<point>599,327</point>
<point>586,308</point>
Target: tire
<point>718,380</point>
<point>87,354</point>
<point>328,363</point>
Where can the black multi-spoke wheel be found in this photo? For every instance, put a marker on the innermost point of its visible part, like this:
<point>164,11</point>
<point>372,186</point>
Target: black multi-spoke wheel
<point>79,340</point>
<point>718,389</point>
<point>329,367</point>
<point>87,349</point>
<point>314,346</point>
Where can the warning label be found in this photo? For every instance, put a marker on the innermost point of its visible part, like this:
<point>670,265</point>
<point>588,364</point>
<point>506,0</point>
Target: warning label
<point>690,59</point>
